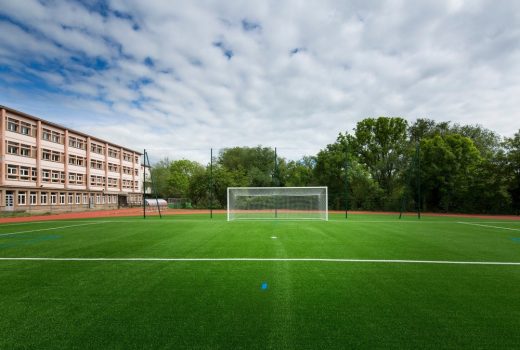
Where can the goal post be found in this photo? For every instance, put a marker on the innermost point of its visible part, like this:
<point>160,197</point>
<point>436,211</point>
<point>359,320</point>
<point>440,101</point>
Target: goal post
<point>289,203</point>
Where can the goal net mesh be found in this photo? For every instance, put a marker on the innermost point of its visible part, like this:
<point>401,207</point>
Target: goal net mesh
<point>305,203</point>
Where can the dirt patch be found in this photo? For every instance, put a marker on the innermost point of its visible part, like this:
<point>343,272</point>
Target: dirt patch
<point>139,212</point>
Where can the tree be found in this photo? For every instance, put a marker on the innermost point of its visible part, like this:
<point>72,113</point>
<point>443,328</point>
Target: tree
<point>331,163</point>
<point>447,165</point>
<point>160,174</point>
<point>299,172</point>
<point>180,172</point>
<point>426,128</point>
<point>512,169</point>
<point>381,145</point>
<point>256,163</point>
<point>486,141</point>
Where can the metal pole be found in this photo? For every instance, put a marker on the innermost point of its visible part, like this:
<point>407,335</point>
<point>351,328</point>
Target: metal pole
<point>346,183</point>
<point>276,183</point>
<point>154,188</point>
<point>418,177</point>
<point>144,184</point>
<point>211,184</point>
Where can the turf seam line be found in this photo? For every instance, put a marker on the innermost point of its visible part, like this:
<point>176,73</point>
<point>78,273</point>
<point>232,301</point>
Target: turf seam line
<point>488,226</point>
<point>51,228</point>
<point>385,261</point>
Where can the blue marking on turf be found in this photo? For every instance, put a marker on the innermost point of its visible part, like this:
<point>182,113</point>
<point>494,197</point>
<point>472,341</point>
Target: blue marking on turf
<point>264,285</point>
<point>516,239</point>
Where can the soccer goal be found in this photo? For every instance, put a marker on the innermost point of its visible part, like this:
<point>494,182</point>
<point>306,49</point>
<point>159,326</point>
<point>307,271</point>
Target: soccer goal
<point>292,203</point>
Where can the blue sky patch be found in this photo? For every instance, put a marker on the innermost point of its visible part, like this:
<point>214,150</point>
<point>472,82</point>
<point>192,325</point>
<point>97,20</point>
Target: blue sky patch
<point>149,62</point>
<point>249,26</point>
<point>297,50</point>
<point>225,50</point>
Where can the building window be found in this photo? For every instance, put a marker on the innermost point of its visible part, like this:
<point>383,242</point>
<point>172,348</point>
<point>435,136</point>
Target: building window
<point>113,153</point>
<point>12,147</point>
<point>97,164</point>
<point>22,198</point>
<point>76,142</point>
<point>113,167</point>
<point>46,134</point>
<point>62,198</point>
<point>24,173</point>
<point>76,160</point>
<point>52,156</point>
<point>46,175</point>
<point>71,198</point>
<point>25,128</point>
<point>97,180</point>
<point>12,125</point>
<point>78,198</point>
<point>94,147</point>
<point>55,176</point>
<point>43,198</point>
<point>85,198</point>
<point>12,172</point>
<point>52,136</point>
<point>25,150</point>
<point>21,127</point>
<point>56,157</point>
<point>46,154</point>
<point>54,197</point>
<point>32,198</point>
<point>76,179</point>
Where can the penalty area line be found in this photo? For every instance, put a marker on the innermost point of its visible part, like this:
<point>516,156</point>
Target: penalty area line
<point>488,226</point>
<point>377,261</point>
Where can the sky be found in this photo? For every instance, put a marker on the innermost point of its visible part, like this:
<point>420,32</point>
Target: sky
<point>179,77</point>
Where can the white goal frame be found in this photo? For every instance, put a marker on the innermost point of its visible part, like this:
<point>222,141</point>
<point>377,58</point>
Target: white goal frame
<point>320,192</point>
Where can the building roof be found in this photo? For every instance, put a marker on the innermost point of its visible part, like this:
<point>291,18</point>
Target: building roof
<point>12,110</point>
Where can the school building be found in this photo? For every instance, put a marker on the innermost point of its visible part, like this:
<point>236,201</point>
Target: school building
<point>45,167</point>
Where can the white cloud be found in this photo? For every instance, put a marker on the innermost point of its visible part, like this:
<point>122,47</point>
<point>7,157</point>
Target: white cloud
<point>303,72</point>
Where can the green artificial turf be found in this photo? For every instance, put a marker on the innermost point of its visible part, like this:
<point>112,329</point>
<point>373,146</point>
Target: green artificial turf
<point>260,304</point>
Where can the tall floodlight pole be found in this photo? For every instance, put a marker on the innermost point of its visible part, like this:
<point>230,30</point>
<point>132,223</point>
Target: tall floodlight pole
<point>276,183</point>
<point>346,182</point>
<point>418,177</point>
<point>211,184</point>
<point>144,184</point>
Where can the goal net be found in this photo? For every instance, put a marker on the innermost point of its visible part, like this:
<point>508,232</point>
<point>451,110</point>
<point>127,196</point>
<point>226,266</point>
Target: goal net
<point>304,203</point>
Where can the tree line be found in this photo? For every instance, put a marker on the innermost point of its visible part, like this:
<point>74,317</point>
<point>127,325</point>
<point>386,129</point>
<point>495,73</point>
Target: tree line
<point>383,164</point>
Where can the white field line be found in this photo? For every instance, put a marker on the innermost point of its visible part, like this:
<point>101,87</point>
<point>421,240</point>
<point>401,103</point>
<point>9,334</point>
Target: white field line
<point>489,226</point>
<point>378,261</point>
<point>52,222</point>
<point>50,228</point>
<point>175,221</point>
